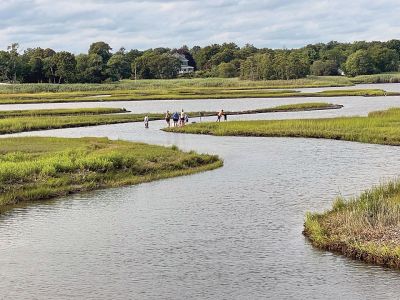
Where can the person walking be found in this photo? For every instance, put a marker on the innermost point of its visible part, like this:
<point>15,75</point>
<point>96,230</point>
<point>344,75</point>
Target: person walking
<point>225,116</point>
<point>175,118</point>
<point>168,118</point>
<point>182,119</point>
<point>219,115</point>
<point>186,118</point>
<point>146,122</point>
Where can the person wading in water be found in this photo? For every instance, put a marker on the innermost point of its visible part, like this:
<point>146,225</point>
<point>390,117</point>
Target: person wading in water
<point>182,119</point>
<point>219,115</point>
<point>168,118</point>
<point>175,118</point>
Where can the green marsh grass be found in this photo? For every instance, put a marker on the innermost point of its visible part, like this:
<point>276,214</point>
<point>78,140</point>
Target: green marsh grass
<point>311,81</point>
<point>376,78</point>
<point>61,112</point>
<point>21,121</point>
<point>377,128</point>
<point>176,94</point>
<point>37,168</point>
<point>210,88</point>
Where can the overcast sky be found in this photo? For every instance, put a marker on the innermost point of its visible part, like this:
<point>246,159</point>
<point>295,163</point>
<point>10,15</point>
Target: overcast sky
<point>73,24</point>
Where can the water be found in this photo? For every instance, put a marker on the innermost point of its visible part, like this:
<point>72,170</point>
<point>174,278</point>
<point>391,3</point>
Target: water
<point>353,105</point>
<point>231,233</point>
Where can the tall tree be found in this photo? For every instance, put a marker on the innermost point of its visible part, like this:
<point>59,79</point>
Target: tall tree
<point>359,63</point>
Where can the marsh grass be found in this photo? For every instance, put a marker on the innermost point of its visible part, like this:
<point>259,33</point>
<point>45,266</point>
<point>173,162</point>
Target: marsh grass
<point>31,120</point>
<point>312,81</point>
<point>60,112</point>
<point>211,88</point>
<point>36,168</point>
<point>376,78</point>
<point>378,128</point>
<point>366,227</point>
<point>176,94</point>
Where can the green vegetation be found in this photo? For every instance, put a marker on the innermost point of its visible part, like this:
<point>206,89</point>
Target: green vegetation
<point>20,121</point>
<point>175,84</point>
<point>30,123</point>
<point>177,90</point>
<point>60,112</point>
<point>100,64</point>
<point>378,128</point>
<point>33,168</point>
<point>282,108</point>
<point>377,78</point>
<point>364,228</point>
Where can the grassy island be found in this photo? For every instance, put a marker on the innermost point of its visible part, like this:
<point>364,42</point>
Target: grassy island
<point>31,120</point>
<point>382,127</point>
<point>178,89</point>
<point>37,168</point>
<point>179,94</point>
<point>60,112</point>
<point>366,227</point>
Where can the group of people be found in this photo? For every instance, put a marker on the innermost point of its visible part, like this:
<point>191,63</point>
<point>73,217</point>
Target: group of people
<point>180,119</point>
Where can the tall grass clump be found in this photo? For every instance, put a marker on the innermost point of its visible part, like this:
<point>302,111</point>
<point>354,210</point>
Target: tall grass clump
<point>365,227</point>
<point>376,78</point>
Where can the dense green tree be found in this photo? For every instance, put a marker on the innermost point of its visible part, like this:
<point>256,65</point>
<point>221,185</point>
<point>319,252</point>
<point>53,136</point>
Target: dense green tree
<point>13,63</point>
<point>384,59</point>
<point>101,48</point>
<point>324,68</point>
<point>227,70</point>
<point>5,71</point>
<point>359,63</point>
<point>118,67</point>
<point>65,64</point>
<point>152,65</point>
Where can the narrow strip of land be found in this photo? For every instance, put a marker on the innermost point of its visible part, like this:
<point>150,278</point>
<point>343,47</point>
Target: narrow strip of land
<point>179,94</point>
<point>56,120</point>
<point>378,128</point>
<point>37,168</point>
<point>366,227</point>
<point>61,112</point>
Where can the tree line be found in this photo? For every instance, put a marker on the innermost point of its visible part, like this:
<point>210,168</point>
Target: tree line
<point>101,64</point>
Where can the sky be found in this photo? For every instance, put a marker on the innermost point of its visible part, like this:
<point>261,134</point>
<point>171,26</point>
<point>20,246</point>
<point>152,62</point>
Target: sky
<point>72,25</point>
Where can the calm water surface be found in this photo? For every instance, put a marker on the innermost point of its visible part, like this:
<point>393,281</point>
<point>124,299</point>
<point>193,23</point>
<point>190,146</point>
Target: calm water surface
<point>231,233</point>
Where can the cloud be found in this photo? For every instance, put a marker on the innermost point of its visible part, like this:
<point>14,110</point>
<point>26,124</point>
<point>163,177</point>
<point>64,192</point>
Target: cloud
<point>74,24</point>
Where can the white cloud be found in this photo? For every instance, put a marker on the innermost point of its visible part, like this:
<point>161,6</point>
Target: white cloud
<point>74,24</point>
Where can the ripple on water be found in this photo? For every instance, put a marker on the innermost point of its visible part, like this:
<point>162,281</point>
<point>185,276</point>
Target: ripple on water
<point>230,233</point>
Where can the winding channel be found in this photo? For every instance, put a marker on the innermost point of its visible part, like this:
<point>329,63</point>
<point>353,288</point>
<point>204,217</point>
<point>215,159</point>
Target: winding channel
<point>231,233</point>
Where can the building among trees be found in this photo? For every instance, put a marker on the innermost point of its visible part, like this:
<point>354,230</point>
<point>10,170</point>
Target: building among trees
<point>185,68</point>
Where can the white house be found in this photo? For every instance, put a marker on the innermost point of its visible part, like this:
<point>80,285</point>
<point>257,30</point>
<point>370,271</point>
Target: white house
<point>185,68</point>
